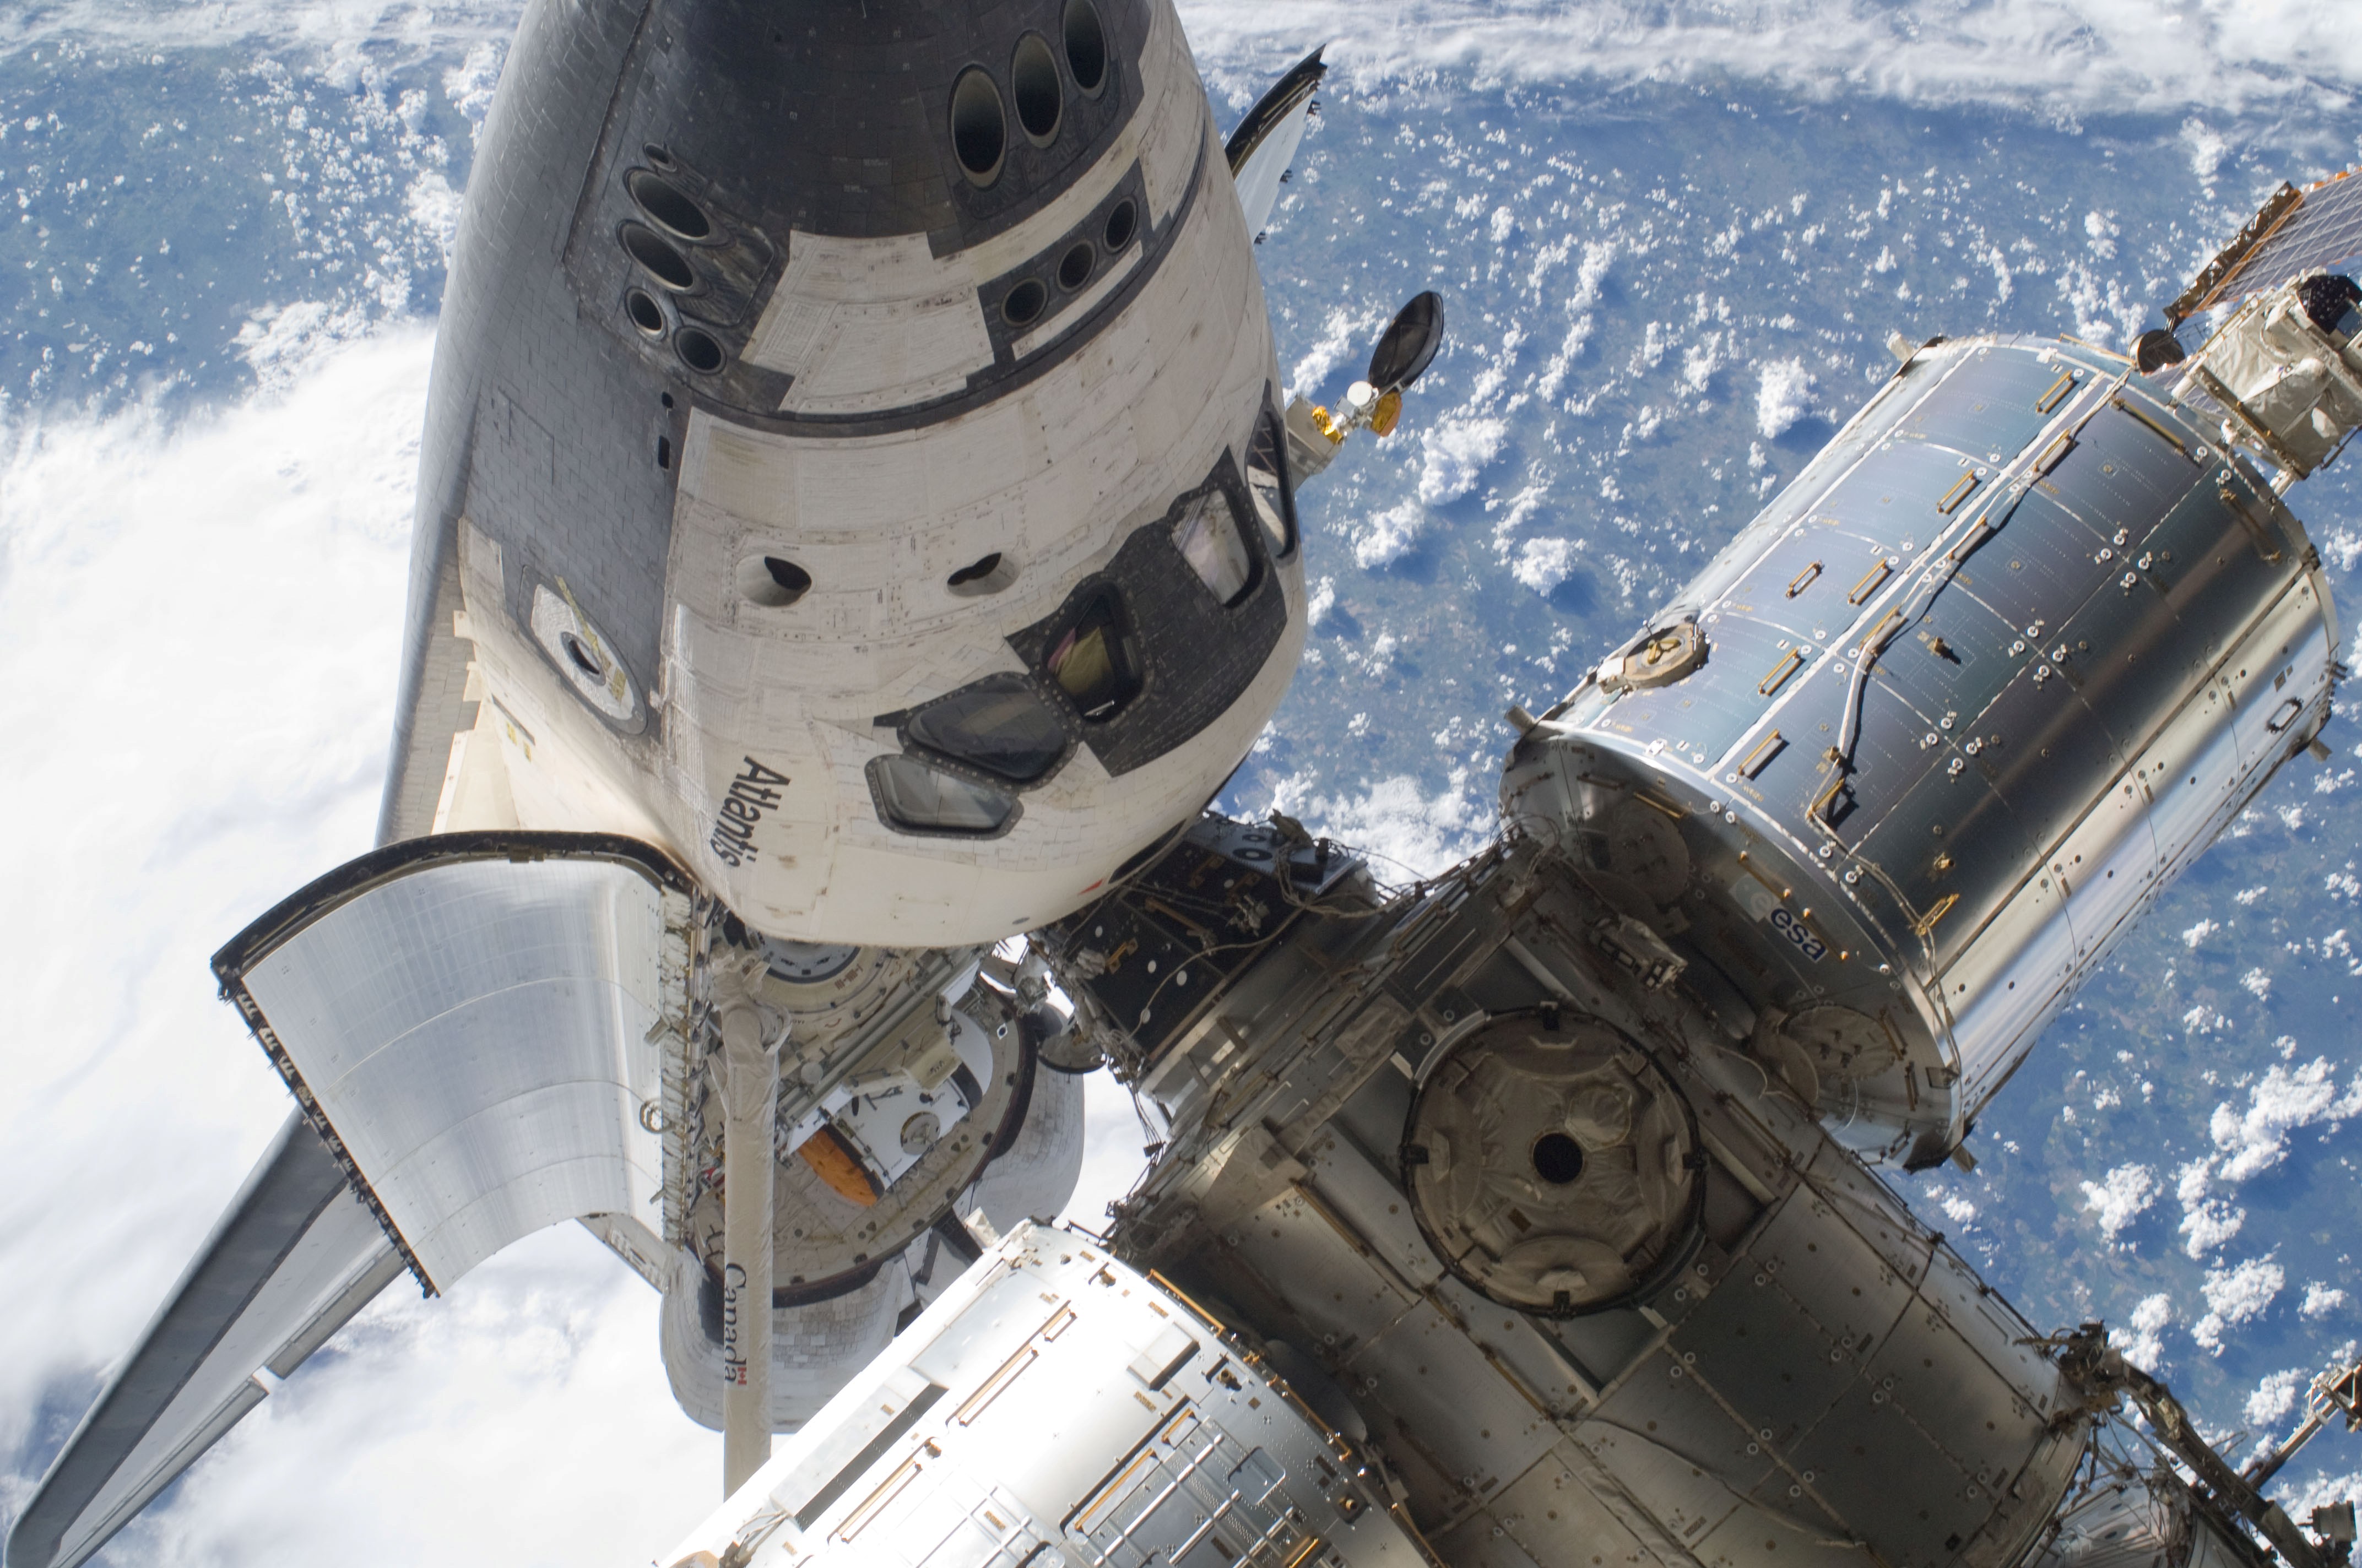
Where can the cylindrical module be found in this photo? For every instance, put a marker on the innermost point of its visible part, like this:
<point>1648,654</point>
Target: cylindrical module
<point>1941,722</point>
<point>1055,1407</point>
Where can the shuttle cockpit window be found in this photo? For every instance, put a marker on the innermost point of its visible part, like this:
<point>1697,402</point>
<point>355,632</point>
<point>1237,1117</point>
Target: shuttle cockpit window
<point>1092,660</point>
<point>1206,534</point>
<point>998,724</point>
<point>914,798</point>
<point>1163,639</point>
<point>1268,486</point>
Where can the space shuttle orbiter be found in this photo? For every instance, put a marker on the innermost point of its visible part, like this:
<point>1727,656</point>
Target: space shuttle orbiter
<point>854,525</point>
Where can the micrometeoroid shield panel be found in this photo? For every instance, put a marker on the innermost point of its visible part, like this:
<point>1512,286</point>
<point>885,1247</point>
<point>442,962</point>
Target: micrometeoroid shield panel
<point>472,1035</point>
<point>2003,659</point>
<point>1057,1408</point>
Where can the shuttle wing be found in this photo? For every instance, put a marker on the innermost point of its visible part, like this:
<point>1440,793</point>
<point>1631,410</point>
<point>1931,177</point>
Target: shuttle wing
<point>293,1258</point>
<point>477,1027</point>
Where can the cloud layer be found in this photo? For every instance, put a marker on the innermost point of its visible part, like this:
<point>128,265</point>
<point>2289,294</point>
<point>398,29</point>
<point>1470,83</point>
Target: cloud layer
<point>2056,57</point>
<point>2083,57</point>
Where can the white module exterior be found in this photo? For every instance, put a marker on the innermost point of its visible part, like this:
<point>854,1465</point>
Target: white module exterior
<point>1058,1409</point>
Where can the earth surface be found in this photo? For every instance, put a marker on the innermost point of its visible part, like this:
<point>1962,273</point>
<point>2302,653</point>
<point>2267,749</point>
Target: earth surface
<point>1673,241</point>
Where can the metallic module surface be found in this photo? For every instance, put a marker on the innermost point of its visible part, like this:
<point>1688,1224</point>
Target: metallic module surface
<point>1948,715</point>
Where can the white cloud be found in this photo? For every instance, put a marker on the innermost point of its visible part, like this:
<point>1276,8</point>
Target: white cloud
<point>2090,55</point>
<point>434,206</point>
<point>1388,535</point>
<point>2274,1398</point>
<point>2206,1221</point>
<point>1321,601</point>
<point>2320,1300</point>
<point>2207,148</point>
<point>283,344</point>
<point>2235,1296</point>
<point>1654,342</point>
<point>469,85</point>
<point>2142,1338</point>
<point>2199,933</point>
<point>1782,396</point>
<point>335,32</point>
<point>1598,255</point>
<point>1578,333</point>
<point>2101,233</point>
<point>1457,450</point>
<point>2209,1225</point>
<point>1412,833</point>
<point>2121,1196</point>
<point>2342,546</point>
<point>1543,564</point>
<point>2318,1491</point>
<point>2282,1101</point>
<point>2204,1019</point>
<point>1700,361</point>
<point>1343,333</point>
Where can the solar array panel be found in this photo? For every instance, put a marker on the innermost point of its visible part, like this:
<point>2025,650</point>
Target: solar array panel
<point>2294,233</point>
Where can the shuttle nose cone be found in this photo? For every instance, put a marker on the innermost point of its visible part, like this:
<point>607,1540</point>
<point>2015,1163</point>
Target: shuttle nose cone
<point>742,132</point>
<point>891,116</point>
<point>882,504</point>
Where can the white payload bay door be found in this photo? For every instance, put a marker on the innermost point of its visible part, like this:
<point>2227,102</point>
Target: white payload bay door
<point>476,1038</point>
<point>473,1024</point>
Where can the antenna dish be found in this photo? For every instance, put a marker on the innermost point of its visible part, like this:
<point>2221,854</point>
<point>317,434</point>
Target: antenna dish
<point>1402,355</point>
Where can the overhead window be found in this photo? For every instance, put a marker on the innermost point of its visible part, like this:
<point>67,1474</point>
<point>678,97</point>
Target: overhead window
<point>1091,660</point>
<point>1206,534</point>
<point>1267,486</point>
<point>916,797</point>
<point>999,724</point>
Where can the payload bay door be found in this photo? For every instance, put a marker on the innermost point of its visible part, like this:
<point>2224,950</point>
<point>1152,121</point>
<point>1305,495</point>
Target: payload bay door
<point>476,1024</point>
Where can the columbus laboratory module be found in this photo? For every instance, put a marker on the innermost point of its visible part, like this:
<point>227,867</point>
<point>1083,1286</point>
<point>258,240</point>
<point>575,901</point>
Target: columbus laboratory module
<point>856,538</point>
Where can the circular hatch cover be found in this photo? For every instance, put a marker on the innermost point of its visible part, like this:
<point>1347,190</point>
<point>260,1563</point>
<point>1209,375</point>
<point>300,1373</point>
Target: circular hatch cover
<point>1555,1170</point>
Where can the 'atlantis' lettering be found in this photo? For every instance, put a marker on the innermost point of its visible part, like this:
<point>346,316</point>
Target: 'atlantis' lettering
<point>752,793</point>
